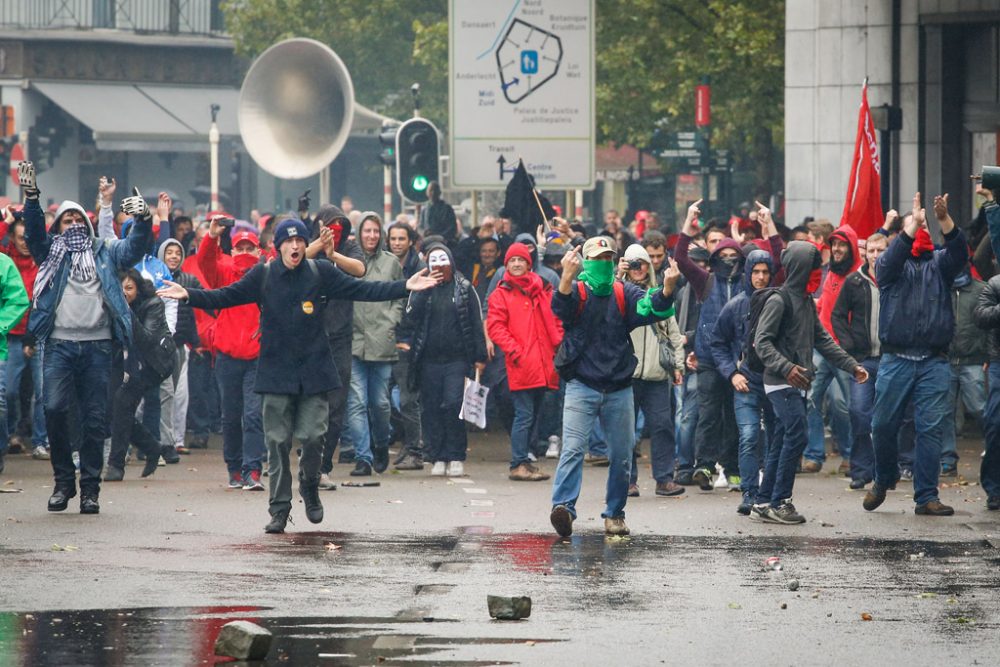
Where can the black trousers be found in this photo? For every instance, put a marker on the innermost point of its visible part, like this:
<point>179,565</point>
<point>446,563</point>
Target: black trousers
<point>125,427</point>
<point>716,436</point>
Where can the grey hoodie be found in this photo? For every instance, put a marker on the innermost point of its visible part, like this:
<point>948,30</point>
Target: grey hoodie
<point>781,347</point>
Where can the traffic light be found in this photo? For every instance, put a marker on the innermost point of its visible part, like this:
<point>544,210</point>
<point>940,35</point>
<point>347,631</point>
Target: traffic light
<point>40,149</point>
<point>416,158</point>
<point>387,137</point>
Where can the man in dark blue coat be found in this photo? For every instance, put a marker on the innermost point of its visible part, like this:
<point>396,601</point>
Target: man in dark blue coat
<point>296,368</point>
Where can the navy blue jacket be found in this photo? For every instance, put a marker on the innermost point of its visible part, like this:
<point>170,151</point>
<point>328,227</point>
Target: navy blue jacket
<point>915,315</point>
<point>607,359</point>
<point>732,328</point>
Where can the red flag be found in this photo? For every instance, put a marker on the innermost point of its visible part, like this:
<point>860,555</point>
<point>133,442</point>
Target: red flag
<point>863,207</point>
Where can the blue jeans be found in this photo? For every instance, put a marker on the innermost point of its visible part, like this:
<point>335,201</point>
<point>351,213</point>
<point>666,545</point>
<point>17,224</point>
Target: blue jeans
<point>839,420</point>
<point>751,407</point>
<point>16,363</point>
<point>597,444</point>
<point>242,418</point>
<point>369,412</point>
<point>550,420</point>
<point>656,401</point>
<point>687,424</point>
<point>989,471</point>
<point>527,409</point>
<point>790,435</point>
<point>969,382</point>
<point>83,369</point>
<point>203,389</point>
<point>862,405</point>
<point>926,383</point>
<point>583,408</point>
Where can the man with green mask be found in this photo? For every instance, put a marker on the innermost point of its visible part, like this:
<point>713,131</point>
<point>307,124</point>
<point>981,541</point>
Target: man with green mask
<point>597,363</point>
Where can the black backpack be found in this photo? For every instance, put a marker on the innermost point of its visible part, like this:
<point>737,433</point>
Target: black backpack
<point>757,300</point>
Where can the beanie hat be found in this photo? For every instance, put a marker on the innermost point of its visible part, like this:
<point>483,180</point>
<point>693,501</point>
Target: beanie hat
<point>518,250</point>
<point>290,228</point>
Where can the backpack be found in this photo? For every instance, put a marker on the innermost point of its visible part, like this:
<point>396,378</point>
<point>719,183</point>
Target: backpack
<point>566,360</point>
<point>757,300</point>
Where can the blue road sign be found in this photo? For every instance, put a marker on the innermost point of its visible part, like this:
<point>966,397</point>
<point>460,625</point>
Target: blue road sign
<point>529,62</point>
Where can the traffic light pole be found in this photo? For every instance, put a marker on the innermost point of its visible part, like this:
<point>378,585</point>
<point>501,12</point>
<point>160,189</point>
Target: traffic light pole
<point>213,144</point>
<point>386,194</point>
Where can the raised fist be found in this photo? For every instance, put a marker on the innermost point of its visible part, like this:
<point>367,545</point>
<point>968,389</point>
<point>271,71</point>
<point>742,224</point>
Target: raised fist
<point>135,206</point>
<point>26,175</point>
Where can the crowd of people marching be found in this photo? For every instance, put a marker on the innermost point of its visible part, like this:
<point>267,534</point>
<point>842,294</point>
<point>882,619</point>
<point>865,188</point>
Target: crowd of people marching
<point>731,345</point>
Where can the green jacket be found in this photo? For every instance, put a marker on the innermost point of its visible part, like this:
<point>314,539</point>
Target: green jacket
<point>13,300</point>
<point>968,345</point>
<point>375,322</point>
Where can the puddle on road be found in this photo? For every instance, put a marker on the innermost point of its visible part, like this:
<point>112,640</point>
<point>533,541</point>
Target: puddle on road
<point>186,636</point>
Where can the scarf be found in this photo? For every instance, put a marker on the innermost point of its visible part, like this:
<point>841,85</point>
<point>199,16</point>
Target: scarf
<point>599,275</point>
<point>529,284</point>
<point>922,243</point>
<point>76,241</point>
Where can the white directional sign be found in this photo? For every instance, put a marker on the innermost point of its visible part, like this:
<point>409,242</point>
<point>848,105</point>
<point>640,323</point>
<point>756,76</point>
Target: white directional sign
<point>521,86</point>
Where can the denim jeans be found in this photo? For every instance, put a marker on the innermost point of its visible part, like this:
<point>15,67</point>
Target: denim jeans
<point>790,435</point>
<point>368,409</point>
<point>862,405</point>
<point>656,401</point>
<point>969,383</point>
<point>926,383</point>
<point>203,415</point>
<point>989,471</point>
<point>716,440</point>
<point>242,422</point>
<point>583,408</point>
<point>81,369</point>
<point>751,409</point>
<point>597,444</point>
<point>442,388</point>
<point>687,424</point>
<point>550,421</point>
<point>16,364</point>
<point>527,409</point>
<point>840,423</point>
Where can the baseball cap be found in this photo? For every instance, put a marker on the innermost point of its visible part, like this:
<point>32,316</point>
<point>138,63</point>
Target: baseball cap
<point>245,235</point>
<point>597,246</point>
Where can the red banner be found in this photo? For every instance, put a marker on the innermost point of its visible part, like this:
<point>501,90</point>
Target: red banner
<point>863,206</point>
<point>703,105</point>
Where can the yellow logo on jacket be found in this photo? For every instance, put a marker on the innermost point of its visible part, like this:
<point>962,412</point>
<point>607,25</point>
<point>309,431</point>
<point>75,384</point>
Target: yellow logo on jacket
<point>307,307</point>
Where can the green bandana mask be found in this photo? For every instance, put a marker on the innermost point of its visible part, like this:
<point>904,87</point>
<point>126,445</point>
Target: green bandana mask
<point>599,275</point>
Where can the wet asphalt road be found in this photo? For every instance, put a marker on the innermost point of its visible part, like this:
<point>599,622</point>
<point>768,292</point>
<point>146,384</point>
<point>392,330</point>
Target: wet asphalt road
<point>399,574</point>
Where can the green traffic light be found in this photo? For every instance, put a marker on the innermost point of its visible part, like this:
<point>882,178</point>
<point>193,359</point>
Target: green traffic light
<point>420,183</point>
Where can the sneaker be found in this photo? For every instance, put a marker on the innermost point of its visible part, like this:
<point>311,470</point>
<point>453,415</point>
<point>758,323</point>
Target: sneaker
<point>169,454</point>
<point>380,458</point>
<point>409,462</point>
<point>327,484</point>
<point>758,512</point>
<point>456,469</point>
<point>874,497</point>
<point>439,469</point>
<point>599,461</point>
<point>993,503</point>
<point>615,526</point>
<point>745,505</point>
<point>523,473</point>
<point>362,469</point>
<point>252,481</point>
<point>553,451</point>
<point>809,466</point>
<point>235,480</point>
<point>277,523</point>
<point>733,481</point>
<point>633,492</point>
<point>113,473</point>
<point>670,488</point>
<point>562,520</point>
<point>532,457</point>
<point>181,449</point>
<point>906,475</point>
<point>934,508</point>
<point>949,470</point>
<point>40,454</point>
<point>684,477</point>
<point>703,478</point>
<point>784,513</point>
<point>15,445</point>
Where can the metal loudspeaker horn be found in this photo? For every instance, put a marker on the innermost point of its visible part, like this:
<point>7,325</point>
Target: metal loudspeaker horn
<point>296,108</point>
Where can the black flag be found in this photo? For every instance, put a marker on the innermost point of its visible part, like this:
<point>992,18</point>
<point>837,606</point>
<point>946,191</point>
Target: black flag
<point>520,206</point>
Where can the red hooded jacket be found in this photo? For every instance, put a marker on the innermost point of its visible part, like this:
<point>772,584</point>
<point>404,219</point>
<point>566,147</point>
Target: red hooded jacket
<point>835,279</point>
<point>27,268</point>
<point>236,329</point>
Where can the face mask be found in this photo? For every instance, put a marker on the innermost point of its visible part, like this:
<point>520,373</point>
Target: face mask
<point>922,243</point>
<point>244,262</point>
<point>815,278</point>
<point>729,264</point>
<point>599,275</point>
<point>338,230</point>
<point>438,260</point>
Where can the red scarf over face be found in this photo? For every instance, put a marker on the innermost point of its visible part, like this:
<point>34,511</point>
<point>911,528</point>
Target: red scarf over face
<point>922,243</point>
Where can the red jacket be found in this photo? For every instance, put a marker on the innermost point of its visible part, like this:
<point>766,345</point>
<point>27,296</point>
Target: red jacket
<point>202,319</point>
<point>835,281</point>
<point>527,331</point>
<point>236,329</point>
<point>27,268</point>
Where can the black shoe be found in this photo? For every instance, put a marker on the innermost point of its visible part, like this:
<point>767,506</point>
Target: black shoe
<point>684,478</point>
<point>857,484</point>
<point>59,500</point>
<point>345,456</point>
<point>151,462</point>
<point>744,508</point>
<point>170,454</point>
<point>934,508</point>
<point>993,503</point>
<point>361,469</point>
<point>380,459</point>
<point>113,474</point>
<point>89,504</point>
<point>277,523</point>
<point>874,497</point>
<point>703,478</point>
<point>310,496</point>
<point>562,520</point>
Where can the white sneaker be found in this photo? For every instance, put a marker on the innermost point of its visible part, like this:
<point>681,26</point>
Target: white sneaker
<point>553,451</point>
<point>40,453</point>
<point>438,469</point>
<point>326,483</point>
<point>456,469</point>
<point>532,457</point>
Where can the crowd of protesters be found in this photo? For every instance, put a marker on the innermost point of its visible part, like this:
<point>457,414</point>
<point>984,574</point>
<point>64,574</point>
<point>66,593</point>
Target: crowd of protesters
<point>732,345</point>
